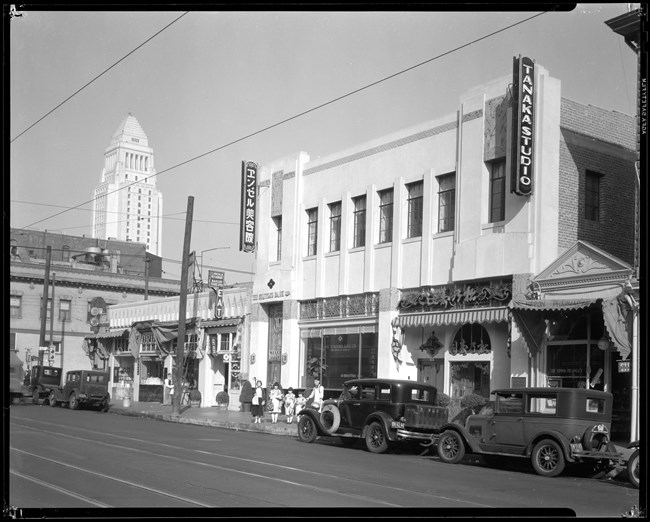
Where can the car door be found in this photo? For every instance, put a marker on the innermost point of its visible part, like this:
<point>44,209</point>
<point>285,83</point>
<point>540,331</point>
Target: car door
<point>509,420</point>
<point>363,406</point>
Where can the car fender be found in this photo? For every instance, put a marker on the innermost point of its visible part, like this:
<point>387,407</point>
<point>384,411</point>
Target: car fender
<point>315,416</point>
<point>557,437</point>
<point>465,435</point>
<point>384,419</point>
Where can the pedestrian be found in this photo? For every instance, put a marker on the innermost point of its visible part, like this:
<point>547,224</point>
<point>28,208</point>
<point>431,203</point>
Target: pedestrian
<point>316,395</point>
<point>257,405</point>
<point>168,392</point>
<point>289,405</point>
<point>301,402</point>
<point>276,396</point>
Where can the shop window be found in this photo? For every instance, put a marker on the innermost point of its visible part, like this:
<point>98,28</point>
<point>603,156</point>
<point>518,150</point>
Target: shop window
<point>446,202</point>
<point>312,231</point>
<point>359,238</point>
<point>575,365</point>
<point>497,190</point>
<point>386,216</point>
<point>470,377</point>
<point>335,226</point>
<point>414,225</point>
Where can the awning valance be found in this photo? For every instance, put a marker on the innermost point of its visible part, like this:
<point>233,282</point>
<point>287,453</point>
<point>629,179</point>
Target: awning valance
<point>518,303</point>
<point>221,323</point>
<point>107,335</point>
<point>453,317</point>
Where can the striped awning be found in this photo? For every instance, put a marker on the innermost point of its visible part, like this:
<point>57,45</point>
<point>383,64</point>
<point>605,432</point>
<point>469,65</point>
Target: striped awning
<point>216,323</point>
<point>107,335</point>
<point>551,304</point>
<point>453,317</point>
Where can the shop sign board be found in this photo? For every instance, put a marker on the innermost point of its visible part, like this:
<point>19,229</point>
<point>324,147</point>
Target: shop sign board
<point>248,206</point>
<point>524,126</point>
<point>624,366</point>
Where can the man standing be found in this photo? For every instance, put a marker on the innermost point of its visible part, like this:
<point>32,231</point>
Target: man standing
<point>168,392</point>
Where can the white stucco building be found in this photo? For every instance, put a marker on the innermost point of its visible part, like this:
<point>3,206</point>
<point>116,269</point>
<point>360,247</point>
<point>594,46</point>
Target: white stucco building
<point>127,204</point>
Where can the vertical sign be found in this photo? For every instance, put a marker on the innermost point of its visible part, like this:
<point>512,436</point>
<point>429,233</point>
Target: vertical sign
<point>218,307</point>
<point>248,206</point>
<point>523,127</point>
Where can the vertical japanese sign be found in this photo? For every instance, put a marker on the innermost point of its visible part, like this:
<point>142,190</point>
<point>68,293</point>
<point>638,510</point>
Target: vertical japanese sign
<point>523,126</point>
<point>248,206</point>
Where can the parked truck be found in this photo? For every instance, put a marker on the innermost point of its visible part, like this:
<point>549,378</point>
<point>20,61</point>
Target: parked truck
<point>82,388</point>
<point>44,379</point>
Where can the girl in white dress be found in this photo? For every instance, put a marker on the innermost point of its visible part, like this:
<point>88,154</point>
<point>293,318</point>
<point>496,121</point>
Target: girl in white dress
<point>276,396</point>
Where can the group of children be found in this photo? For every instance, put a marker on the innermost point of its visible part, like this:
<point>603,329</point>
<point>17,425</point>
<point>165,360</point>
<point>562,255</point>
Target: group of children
<point>292,404</point>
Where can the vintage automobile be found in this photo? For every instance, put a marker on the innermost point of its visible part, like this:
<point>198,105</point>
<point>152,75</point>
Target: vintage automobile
<point>379,411</point>
<point>551,426</point>
<point>83,388</point>
<point>633,464</point>
<point>17,390</point>
<point>43,379</point>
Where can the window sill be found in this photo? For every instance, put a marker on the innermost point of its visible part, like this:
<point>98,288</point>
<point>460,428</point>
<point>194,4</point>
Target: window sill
<point>357,249</point>
<point>498,227</point>
<point>411,240</point>
<point>383,245</point>
<point>333,254</point>
<point>443,234</point>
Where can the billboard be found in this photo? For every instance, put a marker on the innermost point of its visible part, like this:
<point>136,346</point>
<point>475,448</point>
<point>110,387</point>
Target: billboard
<point>523,126</point>
<point>248,206</point>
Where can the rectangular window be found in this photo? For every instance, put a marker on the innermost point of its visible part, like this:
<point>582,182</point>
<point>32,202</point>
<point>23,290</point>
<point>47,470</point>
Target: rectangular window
<point>312,231</point>
<point>497,191</point>
<point>386,216</point>
<point>359,238</point>
<point>446,202</point>
<point>277,225</point>
<point>225,343</point>
<point>65,308</point>
<point>592,196</point>
<point>335,226</point>
<point>15,306</point>
<point>414,226</point>
<point>49,307</point>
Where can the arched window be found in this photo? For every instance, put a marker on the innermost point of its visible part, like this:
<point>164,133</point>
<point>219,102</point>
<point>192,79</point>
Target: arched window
<point>470,338</point>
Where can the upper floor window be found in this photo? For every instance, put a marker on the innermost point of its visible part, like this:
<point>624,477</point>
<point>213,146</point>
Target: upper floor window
<point>65,254</point>
<point>312,231</point>
<point>592,196</point>
<point>446,201</point>
<point>49,307</point>
<point>15,306</point>
<point>414,225</point>
<point>359,238</point>
<point>497,190</point>
<point>65,310</point>
<point>335,226</point>
<point>277,232</point>
<point>386,216</point>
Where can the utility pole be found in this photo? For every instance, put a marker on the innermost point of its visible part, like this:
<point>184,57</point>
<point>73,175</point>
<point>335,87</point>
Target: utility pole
<point>46,288</point>
<point>52,315</point>
<point>182,307</point>
<point>146,277</point>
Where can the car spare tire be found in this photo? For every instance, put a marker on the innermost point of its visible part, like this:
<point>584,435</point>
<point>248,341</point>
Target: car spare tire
<point>330,418</point>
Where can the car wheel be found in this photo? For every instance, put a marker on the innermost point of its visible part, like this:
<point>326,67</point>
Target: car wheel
<point>52,399</point>
<point>74,402</point>
<point>36,397</point>
<point>451,448</point>
<point>376,440</point>
<point>548,458</point>
<point>307,431</point>
<point>330,418</point>
<point>633,469</point>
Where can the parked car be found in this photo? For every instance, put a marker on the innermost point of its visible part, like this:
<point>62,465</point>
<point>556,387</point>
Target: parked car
<point>633,464</point>
<point>379,411</point>
<point>43,380</point>
<point>17,389</point>
<point>83,388</point>
<point>550,426</point>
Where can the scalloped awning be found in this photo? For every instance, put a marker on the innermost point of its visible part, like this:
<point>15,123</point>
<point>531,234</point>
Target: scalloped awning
<point>453,317</point>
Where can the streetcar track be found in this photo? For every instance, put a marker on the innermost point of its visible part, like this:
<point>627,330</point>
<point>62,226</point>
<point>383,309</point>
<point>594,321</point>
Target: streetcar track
<point>60,489</point>
<point>257,462</point>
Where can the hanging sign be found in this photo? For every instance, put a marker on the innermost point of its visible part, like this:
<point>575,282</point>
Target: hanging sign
<point>624,366</point>
<point>248,206</point>
<point>523,126</point>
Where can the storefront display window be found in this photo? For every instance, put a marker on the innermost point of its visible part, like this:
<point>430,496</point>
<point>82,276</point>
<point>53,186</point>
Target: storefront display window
<point>577,365</point>
<point>470,377</point>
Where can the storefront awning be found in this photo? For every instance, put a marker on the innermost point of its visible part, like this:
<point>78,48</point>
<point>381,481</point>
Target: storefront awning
<point>546,305</point>
<point>221,325</point>
<point>473,315</point>
<point>107,335</point>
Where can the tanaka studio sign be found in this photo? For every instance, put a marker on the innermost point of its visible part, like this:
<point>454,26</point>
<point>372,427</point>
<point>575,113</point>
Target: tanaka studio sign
<point>524,126</point>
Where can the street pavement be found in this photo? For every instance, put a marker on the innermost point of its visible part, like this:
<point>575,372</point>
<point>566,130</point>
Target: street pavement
<point>213,416</point>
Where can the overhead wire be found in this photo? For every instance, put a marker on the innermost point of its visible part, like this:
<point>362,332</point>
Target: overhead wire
<point>303,113</point>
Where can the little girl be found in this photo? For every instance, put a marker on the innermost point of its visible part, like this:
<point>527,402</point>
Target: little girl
<point>289,405</point>
<point>276,397</point>
<point>300,404</point>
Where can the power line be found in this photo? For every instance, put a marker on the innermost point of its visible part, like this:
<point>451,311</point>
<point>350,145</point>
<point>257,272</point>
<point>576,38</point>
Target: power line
<point>98,76</point>
<point>339,98</point>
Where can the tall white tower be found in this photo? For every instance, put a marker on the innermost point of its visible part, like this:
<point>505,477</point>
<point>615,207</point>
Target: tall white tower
<point>127,204</point>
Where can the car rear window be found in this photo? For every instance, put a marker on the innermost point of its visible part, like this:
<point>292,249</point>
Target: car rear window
<point>97,379</point>
<point>595,405</point>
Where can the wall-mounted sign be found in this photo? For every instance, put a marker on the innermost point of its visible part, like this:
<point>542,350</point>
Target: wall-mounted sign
<point>624,366</point>
<point>271,296</point>
<point>248,206</point>
<point>215,278</point>
<point>523,126</point>
<point>218,306</point>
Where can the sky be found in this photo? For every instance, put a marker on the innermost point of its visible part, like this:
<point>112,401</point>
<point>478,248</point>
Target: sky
<point>207,84</point>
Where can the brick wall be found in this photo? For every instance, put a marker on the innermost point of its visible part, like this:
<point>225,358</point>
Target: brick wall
<point>614,232</point>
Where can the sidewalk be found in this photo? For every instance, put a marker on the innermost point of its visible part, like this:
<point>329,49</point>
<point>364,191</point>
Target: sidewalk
<point>214,416</point>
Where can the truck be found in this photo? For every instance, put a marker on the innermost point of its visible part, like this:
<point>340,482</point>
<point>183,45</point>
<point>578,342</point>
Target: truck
<point>44,379</point>
<point>17,389</point>
<point>82,388</point>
